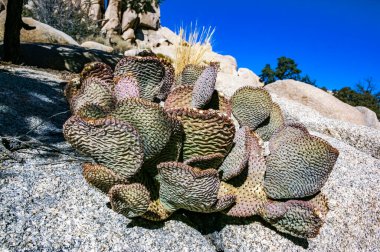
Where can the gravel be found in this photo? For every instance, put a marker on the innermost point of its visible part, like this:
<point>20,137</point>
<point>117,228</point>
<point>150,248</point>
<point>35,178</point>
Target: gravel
<point>51,208</point>
<point>45,204</point>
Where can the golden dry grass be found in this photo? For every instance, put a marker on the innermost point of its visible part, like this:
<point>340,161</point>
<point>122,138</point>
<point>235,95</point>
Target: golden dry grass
<point>192,46</point>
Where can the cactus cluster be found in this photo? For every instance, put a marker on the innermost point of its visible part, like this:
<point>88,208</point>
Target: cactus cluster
<point>162,142</point>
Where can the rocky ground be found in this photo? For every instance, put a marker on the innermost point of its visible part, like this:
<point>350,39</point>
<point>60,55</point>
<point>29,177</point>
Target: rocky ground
<point>45,204</point>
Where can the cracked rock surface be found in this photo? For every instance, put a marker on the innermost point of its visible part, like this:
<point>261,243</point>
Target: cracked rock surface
<point>46,205</point>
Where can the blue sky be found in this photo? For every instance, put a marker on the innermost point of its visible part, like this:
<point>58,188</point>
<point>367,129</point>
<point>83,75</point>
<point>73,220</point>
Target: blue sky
<point>336,42</point>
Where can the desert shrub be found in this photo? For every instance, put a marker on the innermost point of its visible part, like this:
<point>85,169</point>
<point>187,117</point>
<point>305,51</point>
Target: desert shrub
<point>65,16</point>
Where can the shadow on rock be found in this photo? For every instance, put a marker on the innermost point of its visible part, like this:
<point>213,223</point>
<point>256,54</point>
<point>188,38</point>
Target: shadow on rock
<point>210,224</point>
<point>63,57</point>
<point>28,100</point>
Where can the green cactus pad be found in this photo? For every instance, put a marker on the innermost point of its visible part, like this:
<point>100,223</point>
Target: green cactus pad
<point>237,159</point>
<point>111,142</point>
<point>152,122</point>
<point>295,217</point>
<point>180,97</point>
<point>205,162</point>
<point>101,177</point>
<point>204,87</point>
<point>97,70</point>
<point>149,72</point>
<point>249,191</point>
<point>126,87</point>
<point>93,91</point>
<point>206,132</point>
<point>168,81</point>
<point>92,111</point>
<point>251,106</point>
<point>186,187</point>
<point>189,75</point>
<point>298,165</point>
<point>129,200</point>
<point>285,133</point>
<point>271,124</point>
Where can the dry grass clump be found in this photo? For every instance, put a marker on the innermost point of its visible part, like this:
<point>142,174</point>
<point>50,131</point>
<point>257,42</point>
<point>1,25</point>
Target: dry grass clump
<point>192,46</point>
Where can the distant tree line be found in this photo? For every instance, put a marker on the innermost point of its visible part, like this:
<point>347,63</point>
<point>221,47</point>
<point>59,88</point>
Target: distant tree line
<point>363,95</point>
<point>286,68</point>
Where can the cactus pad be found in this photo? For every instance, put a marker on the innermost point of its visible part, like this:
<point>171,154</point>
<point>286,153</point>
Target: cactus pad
<point>205,162</point>
<point>97,137</point>
<point>298,165</point>
<point>189,75</point>
<point>92,111</point>
<point>250,195</point>
<point>206,132</point>
<point>204,87</point>
<point>168,80</point>
<point>295,217</point>
<point>151,121</point>
<point>180,97</point>
<point>126,87</point>
<point>93,91</point>
<point>148,71</point>
<point>237,159</point>
<point>251,106</point>
<point>97,70</point>
<point>271,124</point>
<point>100,177</point>
<point>183,186</point>
<point>129,200</point>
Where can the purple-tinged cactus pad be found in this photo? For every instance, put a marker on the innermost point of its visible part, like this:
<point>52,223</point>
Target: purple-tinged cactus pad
<point>190,188</point>
<point>271,124</point>
<point>101,177</point>
<point>126,87</point>
<point>251,106</point>
<point>111,142</point>
<point>298,165</point>
<point>130,200</point>
<point>206,132</point>
<point>152,122</point>
<point>204,87</point>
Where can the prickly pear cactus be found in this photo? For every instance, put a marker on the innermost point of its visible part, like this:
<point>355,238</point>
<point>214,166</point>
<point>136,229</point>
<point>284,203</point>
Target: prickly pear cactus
<point>162,142</point>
